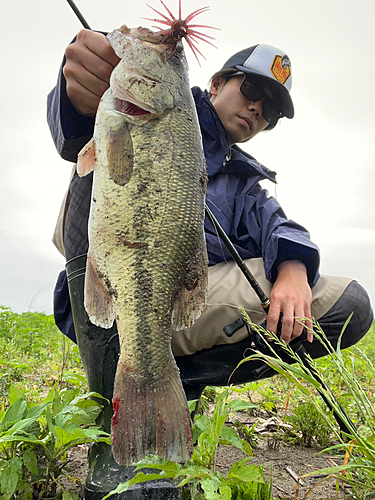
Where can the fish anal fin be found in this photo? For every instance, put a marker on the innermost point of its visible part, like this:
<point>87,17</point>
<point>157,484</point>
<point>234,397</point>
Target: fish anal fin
<point>98,296</point>
<point>190,297</point>
<point>143,422</point>
<point>120,155</point>
<point>86,159</point>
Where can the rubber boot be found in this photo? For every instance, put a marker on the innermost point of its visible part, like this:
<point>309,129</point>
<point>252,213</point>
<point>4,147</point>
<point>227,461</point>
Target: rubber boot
<point>99,349</point>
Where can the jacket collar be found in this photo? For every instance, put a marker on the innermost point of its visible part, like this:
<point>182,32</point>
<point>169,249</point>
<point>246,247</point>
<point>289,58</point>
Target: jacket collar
<point>216,147</point>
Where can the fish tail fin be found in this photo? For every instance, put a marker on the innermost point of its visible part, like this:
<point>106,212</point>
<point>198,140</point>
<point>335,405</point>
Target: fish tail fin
<point>150,418</point>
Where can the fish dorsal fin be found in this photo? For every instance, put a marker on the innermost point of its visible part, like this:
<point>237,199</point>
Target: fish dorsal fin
<point>120,155</point>
<point>98,296</point>
<point>190,297</point>
<point>86,159</point>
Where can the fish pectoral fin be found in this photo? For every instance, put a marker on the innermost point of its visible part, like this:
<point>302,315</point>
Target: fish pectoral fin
<point>120,155</point>
<point>86,159</point>
<point>98,296</point>
<point>190,298</point>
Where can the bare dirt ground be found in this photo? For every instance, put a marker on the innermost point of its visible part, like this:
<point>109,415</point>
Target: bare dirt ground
<point>283,460</point>
<point>298,460</point>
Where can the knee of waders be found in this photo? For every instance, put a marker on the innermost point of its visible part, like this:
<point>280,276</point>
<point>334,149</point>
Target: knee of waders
<point>353,303</point>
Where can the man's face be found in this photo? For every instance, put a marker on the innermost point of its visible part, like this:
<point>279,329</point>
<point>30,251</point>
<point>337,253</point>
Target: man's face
<point>241,118</point>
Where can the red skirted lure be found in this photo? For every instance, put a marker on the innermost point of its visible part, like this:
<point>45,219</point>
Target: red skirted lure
<point>180,28</point>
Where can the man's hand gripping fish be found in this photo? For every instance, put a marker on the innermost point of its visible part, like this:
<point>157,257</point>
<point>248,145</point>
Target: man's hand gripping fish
<point>147,264</point>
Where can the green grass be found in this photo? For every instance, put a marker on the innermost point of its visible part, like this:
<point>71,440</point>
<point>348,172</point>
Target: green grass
<point>354,360</point>
<point>35,357</point>
<point>44,407</point>
<point>357,441</point>
<point>34,354</point>
<point>280,393</point>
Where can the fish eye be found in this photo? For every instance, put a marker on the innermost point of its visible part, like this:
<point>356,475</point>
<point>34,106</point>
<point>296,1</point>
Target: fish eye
<point>175,59</point>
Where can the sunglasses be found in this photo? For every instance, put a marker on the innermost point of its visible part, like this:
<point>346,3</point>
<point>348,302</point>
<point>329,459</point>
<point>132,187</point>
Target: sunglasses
<point>255,91</point>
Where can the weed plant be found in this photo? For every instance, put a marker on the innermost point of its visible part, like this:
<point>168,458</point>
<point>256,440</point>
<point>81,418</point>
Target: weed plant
<point>309,424</point>
<point>36,356</point>
<point>358,444</point>
<point>30,333</point>
<point>199,477</point>
<point>35,438</point>
<point>355,361</point>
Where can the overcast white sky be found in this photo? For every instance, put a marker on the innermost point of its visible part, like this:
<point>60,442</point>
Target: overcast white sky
<point>324,157</point>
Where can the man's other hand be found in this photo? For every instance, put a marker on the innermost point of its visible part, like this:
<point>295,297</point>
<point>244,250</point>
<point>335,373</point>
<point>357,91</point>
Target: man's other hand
<point>290,295</point>
<point>89,64</point>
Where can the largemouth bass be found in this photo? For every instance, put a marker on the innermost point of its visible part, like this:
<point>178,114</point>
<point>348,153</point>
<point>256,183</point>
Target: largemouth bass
<point>147,264</point>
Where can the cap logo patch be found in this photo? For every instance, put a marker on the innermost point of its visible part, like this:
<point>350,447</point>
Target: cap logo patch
<point>281,68</point>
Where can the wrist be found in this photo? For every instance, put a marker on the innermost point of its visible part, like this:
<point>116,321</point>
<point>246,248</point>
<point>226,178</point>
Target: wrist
<point>295,267</point>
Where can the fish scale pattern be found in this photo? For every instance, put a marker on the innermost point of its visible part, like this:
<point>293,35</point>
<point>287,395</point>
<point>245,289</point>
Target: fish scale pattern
<point>147,264</point>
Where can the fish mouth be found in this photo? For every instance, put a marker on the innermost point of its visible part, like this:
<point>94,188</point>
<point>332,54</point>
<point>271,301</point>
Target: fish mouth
<point>126,103</point>
<point>131,109</point>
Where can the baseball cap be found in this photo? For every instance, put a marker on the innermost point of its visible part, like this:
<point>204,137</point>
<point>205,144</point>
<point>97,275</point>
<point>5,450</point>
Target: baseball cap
<point>270,63</point>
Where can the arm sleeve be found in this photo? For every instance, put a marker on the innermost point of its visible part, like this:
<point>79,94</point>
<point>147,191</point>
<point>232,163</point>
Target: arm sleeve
<point>277,237</point>
<point>70,130</point>
<point>283,239</point>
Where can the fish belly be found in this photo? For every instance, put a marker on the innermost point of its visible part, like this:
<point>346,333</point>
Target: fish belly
<point>147,269</point>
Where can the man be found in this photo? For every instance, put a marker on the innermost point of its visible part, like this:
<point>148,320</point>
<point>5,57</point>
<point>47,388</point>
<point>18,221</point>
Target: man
<point>248,95</point>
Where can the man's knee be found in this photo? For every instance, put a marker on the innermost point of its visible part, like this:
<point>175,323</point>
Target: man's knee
<point>354,302</point>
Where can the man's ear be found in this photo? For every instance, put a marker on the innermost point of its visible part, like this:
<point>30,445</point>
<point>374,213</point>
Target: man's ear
<point>215,86</point>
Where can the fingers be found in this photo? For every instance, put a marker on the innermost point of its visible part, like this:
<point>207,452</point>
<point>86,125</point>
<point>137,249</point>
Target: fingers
<point>309,328</point>
<point>291,296</point>
<point>296,316</point>
<point>273,317</point>
<point>89,63</point>
<point>93,51</point>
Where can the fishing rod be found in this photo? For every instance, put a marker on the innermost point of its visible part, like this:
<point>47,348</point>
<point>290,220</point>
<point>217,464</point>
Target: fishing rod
<point>265,301</point>
<point>79,14</point>
<point>296,344</point>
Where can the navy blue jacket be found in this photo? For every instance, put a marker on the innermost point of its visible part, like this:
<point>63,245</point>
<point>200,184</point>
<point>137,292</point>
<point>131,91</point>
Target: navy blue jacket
<point>254,222</point>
